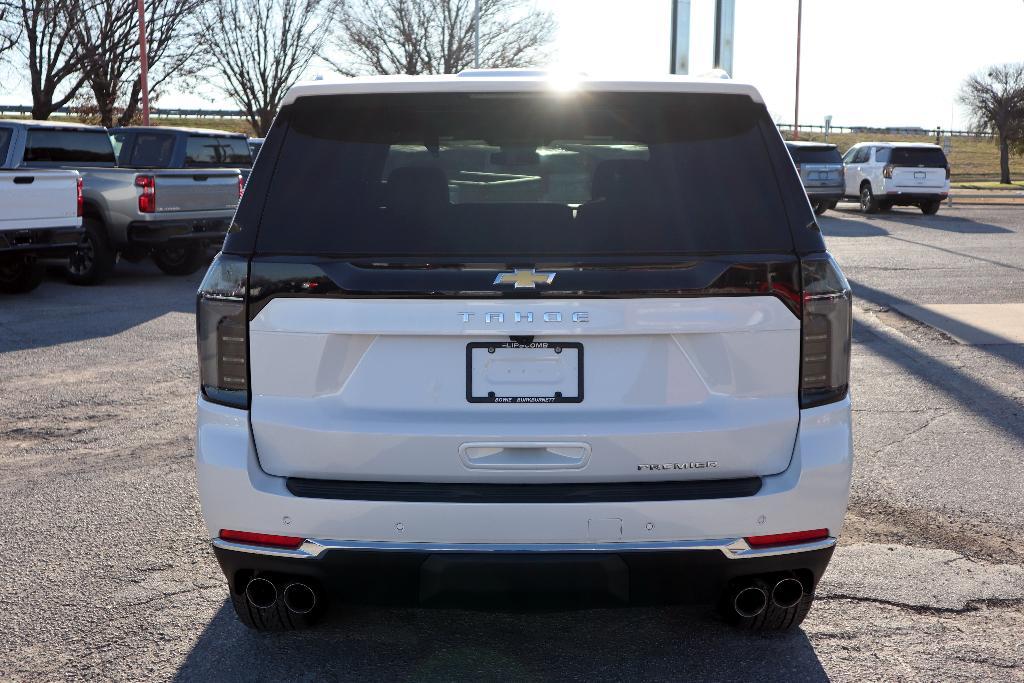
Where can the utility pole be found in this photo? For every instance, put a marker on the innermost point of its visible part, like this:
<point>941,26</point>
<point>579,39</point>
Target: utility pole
<point>476,33</point>
<point>143,63</point>
<point>796,105</point>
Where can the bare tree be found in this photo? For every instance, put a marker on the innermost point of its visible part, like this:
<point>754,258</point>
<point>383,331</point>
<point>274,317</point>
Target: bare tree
<point>107,38</point>
<point>438,36</point>
<point>259,48</point>
<point>995,100</point>
<point>10,30</point>
<point>47,45</point>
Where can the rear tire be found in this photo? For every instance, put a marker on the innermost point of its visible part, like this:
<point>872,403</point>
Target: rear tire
<point>773,618</point>
<point>868,203</point>
<point>885,206</point>
<point>277,617</point>
<point>820,207</point>
<point>20,276</point>
<point>831,205</point>
<point>93,260</point>
<point>183,260</point>
<point>930,208</point>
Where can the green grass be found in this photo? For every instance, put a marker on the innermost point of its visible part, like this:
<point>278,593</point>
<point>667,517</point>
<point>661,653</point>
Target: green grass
<point>989,185</point>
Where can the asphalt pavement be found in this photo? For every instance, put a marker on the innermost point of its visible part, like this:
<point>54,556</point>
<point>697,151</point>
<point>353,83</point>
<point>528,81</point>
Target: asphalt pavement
<point>107,574</point>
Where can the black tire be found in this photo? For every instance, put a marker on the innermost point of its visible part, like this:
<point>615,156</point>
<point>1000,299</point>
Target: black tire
<point>885,206</point>
<point>930,208</point>
<point>831,205</point>
<point>868,203</point>
<point>183,260</point>
<point>820,207</point>
<point>277,617</point>
<point>773,618</point>
<point>93,261</point>
<point>20,276</point>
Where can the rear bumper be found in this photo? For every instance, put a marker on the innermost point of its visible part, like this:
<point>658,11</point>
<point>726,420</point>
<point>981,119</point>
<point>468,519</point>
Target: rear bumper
<point>693,573</point>
<point>825,193</point>
<point>177,231</point>
<point>810,493</point>
<point>915,196</point>
<point>40,243</point>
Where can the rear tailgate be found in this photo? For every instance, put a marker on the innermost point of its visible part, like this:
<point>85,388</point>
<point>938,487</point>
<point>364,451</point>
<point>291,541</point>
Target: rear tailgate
<point>196,190</point>
<point>34,199</point>
<point>697,388</point>
<point>915,168</point>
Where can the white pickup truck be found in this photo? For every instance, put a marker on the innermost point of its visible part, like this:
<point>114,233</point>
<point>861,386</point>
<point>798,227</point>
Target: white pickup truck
<point>40,217</point>
<point>172,215</point>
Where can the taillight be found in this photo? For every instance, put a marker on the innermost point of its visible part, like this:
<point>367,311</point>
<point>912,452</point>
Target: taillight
<point>273,540</point>
<point>947,171</point>
<point>241,186</point>
<point>787,538</point>
<point>887,171</point>
<point>827,316</point>
<point>81,199</point>
<point>147,198</point>
<point>222,330</point>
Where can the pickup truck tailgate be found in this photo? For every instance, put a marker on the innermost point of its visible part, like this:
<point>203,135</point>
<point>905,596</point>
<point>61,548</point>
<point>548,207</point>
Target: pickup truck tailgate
<point>196,191</point>
<point>36,199</point>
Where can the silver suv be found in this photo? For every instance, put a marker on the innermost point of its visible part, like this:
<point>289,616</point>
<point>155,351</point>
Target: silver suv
<point>821,172</point>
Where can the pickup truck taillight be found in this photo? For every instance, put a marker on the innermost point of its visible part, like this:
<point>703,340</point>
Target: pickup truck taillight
<point>887,171</point>
<point>241,186</point>
<point>81,199</point>
<point>222,328</point>
<point>827,316</point>
<point>947,171</point>
<point>147,198</point>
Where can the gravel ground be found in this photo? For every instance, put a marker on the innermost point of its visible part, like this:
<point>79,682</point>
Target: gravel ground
<point>107,574</point>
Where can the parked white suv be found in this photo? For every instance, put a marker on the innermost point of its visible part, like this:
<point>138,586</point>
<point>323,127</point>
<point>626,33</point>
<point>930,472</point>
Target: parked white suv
<point>486,332</point>
<point>881,175</point>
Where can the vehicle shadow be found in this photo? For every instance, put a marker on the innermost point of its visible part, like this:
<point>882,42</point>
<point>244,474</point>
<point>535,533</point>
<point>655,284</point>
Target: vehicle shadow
<point>500,645</point>
<point>943,375</point>
<point>945,223</point>
<point>58,312</point>
<point>833,225</point>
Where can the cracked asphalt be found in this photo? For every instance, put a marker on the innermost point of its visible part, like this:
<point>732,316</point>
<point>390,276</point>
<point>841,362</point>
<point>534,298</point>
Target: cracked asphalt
<point>106,574</point>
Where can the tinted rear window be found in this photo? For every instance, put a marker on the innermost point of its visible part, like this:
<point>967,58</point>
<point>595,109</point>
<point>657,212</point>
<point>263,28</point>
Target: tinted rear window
<point>929,157</point>
<point>152,150</point>
<point>518,174</point>
<point>5,143</point>
<point>210,151</point>
<point>815,155</point>
<point>86,147</point>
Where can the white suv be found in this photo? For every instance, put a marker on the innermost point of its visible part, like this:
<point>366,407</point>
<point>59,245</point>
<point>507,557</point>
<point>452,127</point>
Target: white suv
<point>488,331</point>
<point>881,175</point>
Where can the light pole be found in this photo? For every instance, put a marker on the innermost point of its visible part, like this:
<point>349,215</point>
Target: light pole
<point>143,63</point>
<point>476,34</point>
<point>796,104</point>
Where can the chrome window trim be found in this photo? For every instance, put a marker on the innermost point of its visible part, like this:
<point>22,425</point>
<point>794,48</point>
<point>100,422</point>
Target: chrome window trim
<point>732,548</point>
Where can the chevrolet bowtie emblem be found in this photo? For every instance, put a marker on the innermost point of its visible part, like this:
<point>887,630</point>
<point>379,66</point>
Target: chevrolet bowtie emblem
<point>524,278</point>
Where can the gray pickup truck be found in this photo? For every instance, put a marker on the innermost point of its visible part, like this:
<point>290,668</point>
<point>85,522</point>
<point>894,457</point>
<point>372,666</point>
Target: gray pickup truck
<point>172,215</point>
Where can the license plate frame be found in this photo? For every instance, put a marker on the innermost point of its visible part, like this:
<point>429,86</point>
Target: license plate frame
<point>492,397</point>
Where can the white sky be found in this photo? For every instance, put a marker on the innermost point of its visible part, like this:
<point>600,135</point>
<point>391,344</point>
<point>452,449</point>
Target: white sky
<point>866,62</point>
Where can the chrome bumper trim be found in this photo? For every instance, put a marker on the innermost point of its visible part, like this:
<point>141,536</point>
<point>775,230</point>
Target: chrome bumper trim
<point>732,548</point>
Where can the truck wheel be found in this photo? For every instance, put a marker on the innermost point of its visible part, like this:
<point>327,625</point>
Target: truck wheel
<point>885,205</point>
<point>275,617</point>
<point>20,276</point>
<point>868,203</point>
<point>180,260</point>
<point>820,207</point>
<point>930,208</point>
<point>93,260</point>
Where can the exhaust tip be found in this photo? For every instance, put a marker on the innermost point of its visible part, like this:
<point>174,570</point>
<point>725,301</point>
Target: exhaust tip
<point>261,593</point>
<point>299,598</point>
<point>750,601</point>
<point>787,592</point>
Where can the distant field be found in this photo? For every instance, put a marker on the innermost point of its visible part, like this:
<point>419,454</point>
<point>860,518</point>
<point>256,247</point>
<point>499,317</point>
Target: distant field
<point>971,159</point>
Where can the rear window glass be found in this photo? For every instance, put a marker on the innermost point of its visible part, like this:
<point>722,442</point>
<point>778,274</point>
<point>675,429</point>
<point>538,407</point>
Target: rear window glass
<point>5,143</point>
<point>85,147</point>
<point>524,174</point>
<point>930,157</point>
<point>152,150</point>
<point>210,151</point>
<point>815,155</point>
